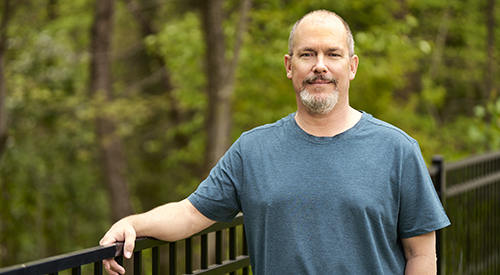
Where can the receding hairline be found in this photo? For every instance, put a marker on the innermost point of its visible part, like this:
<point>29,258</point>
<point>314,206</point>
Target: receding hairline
<point>321,15</point>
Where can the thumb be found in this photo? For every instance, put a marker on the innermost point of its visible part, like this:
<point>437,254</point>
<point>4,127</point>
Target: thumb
<point>128,247</point>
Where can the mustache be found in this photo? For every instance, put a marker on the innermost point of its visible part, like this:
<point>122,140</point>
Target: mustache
<point>311,79</point>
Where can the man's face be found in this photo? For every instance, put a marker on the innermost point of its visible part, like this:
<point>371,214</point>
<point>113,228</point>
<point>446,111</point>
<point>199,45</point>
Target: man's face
<point>320,67</point>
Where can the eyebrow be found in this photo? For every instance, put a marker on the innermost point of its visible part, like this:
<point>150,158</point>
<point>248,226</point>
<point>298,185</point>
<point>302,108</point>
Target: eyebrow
<point>310,49</point>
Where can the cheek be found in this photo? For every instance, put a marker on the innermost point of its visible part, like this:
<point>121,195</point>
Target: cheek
<point>297,84</point>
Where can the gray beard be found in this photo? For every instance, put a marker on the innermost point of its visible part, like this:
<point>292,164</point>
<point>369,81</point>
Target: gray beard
<point>319,105</point>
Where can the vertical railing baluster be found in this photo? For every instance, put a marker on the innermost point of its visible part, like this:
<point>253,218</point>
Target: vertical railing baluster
<point>218,247</point>
<point>232,245</point>
<point>172,258</point>
<point>98,268</point>
<point>156,260</point>
<point>245,249</point>
<point>189,255</point>
<point>137,262</point>
<point>119,260</point>
<point>76,270</point>
<point>245,244</point>
<point>204,251</point>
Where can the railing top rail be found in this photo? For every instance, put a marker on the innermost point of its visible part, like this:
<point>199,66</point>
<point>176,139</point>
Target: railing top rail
<point>62,262</point>
<point>472,160</point>
<point>471,185</point>
<point>222,225</point>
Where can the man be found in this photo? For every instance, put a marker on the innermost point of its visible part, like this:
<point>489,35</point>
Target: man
<point>326,190</point>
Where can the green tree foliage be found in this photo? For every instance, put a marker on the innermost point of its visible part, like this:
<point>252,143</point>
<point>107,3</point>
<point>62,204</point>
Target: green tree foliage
<point>422,68</point>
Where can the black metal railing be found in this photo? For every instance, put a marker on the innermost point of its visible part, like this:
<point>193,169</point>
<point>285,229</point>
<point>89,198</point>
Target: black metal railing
<point>230,254</point>
<point>470,192</point>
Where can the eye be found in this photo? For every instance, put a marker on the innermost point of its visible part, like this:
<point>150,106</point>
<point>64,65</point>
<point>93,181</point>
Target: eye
<point>306,55</point>
<point>334,55</point>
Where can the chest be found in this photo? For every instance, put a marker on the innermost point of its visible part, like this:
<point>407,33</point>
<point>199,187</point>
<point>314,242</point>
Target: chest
<point>321,183</point>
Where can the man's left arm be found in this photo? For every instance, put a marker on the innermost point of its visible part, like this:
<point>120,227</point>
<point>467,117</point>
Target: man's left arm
<point>420,253</point>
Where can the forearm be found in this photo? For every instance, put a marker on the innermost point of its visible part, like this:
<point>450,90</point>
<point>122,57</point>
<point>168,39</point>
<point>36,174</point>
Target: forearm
<point>170,222</point>
<point>421,265</point>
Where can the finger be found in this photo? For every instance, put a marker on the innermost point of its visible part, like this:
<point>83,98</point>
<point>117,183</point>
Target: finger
<point>106,240</point>
<point>112,267</point>
<point>128,247</point>
<point>109,238</point>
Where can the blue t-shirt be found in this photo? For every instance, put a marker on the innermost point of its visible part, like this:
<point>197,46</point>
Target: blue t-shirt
<point>324,205</point>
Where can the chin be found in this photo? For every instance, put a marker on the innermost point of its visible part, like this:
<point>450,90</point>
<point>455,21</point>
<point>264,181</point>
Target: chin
<point>320,104</point>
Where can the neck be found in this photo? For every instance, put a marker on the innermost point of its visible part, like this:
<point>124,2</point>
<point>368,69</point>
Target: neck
<point>335,122</point>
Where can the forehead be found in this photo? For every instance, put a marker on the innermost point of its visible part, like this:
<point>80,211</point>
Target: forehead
<point>314,32</point>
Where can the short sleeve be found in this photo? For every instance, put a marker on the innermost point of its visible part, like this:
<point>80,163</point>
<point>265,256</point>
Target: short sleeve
<point>421,210</point>
<point>217,196</point>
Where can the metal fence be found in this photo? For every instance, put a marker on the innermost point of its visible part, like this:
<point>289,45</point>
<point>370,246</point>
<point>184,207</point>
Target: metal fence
<point>470,193</point>
<point>469,190</point>
<point>230,256</point>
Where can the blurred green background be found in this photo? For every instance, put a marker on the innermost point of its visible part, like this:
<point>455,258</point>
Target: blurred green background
<point>429,67</point>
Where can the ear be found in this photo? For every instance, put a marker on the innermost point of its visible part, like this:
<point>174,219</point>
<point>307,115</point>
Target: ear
<point>288,66</point>
<point>353,66</point>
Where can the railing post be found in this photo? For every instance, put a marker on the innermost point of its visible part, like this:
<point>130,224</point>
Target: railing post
<point>440,185</point>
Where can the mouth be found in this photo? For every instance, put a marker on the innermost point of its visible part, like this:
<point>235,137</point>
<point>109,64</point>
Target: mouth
<point>319,80</point>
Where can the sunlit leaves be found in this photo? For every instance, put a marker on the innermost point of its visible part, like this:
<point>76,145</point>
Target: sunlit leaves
<point>486,130</point>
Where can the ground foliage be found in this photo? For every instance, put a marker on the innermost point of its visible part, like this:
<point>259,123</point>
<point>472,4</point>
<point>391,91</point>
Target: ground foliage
<point>423,66</point>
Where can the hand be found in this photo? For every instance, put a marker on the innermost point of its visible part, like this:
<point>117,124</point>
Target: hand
<point>119,232</point>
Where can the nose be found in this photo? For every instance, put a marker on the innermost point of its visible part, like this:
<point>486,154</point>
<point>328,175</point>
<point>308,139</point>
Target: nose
<point>320,66</point>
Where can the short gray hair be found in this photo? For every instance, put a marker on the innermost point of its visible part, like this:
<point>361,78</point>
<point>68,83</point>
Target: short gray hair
<point>323,13</point>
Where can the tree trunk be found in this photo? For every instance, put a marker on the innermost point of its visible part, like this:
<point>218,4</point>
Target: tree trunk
<point>218,124</point>
<point>221,77</point>
<point>111,147</point>
<point>5,189</point>
<point>3,89</point>
<point>490,42</point>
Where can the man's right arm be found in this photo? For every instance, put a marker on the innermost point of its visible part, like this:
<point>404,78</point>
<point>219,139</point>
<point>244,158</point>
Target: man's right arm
<point>169,222</point>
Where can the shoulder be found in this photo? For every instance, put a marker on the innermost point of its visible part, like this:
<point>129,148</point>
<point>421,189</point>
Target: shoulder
<point>267,130</point>
<point>260,139</point>
<point>387,131</point>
